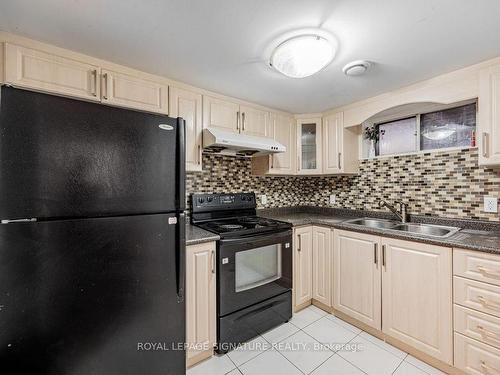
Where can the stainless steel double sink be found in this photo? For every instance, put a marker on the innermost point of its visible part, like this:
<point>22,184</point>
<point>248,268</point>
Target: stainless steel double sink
<point>428,230</point>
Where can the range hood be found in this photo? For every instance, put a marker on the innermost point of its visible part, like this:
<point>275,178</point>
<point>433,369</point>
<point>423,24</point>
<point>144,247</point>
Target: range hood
<point>218,141</point>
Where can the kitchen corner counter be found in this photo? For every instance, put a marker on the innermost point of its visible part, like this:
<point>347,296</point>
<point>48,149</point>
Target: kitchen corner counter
<point>474,235</point>
<point>195,235</point>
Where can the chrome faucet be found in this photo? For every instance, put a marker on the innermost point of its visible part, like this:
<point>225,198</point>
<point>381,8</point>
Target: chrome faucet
<point>402,213</point>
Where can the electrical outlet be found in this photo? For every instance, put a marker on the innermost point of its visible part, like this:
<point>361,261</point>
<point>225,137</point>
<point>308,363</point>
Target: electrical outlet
<point>263,199</point>
<point>490,204</point>
<point>333,199</point>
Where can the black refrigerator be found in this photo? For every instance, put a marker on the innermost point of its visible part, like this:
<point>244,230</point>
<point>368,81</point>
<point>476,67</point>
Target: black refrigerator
<point>92,238</point>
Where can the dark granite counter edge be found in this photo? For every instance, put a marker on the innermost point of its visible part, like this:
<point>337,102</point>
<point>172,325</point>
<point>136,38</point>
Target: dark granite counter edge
<point>336,218</point>
<point>195,235</point>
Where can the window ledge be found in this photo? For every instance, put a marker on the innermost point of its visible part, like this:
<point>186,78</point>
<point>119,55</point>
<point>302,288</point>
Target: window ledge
<point>435,151</point>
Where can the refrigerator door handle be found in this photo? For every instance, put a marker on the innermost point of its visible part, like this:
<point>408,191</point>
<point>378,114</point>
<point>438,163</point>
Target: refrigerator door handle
<point>181,165</point>
<point>11,221</point>
<point>180,256</point>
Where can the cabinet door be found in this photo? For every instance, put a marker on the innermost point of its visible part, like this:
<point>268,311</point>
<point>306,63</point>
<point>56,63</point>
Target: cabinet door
<point>417,297</point>
<point>254,121</point>
<point>283,131</point>
<point>37,70</point>
<point>489,116</point>
<point>332,140</point>
<point>302,276</point>
<point>322,265</point>
<point>187,104</point>
<point>357,279</point>
<point>131,91</point>
<point>309,146</point>
<point>221,114</point>
<point>200,301</point>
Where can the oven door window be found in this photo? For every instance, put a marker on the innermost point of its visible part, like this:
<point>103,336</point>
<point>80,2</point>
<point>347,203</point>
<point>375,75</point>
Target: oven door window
<point>257,267</point>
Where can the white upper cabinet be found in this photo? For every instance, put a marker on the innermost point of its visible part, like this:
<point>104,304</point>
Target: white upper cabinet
<point>41,71</point>
<point>132,91</point>
<point>340,146</point>
<point>489,117</point>
<point>333,126</point>
<point>188,105</point>
<point>309,146</point>
<point>222,114</point>
<point>254,121</point>
<point>281,129</point>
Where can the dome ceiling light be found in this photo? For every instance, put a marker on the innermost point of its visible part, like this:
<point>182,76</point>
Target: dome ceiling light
<point>302,56</point>
<point>356,68</point>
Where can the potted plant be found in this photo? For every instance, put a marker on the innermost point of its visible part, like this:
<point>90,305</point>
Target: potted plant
<point>371,133</point>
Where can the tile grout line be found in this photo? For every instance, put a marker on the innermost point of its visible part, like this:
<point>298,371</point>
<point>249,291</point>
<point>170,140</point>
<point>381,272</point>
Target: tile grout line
<point>352,364</point>
<point>398,366</point>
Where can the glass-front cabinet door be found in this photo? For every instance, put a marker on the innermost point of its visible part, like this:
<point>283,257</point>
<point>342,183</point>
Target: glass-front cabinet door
<point>309,146</point>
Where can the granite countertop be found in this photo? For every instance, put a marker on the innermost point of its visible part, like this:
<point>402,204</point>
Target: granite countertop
<point>195,235</point>
<point>474,235</point>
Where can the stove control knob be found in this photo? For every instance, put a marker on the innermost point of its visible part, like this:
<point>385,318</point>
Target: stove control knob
<point>210,199</point>
<point>201,200</point>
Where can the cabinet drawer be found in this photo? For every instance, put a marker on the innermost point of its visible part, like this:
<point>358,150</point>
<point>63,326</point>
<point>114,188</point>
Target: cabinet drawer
<point>476,295</point>
<point>474,357</point>
<point>477,325</point>
<point>478,266</point>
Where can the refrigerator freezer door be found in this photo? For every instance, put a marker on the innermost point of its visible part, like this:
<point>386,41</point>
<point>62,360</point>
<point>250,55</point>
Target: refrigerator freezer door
<point>62,157</point>
<point>93,296</point>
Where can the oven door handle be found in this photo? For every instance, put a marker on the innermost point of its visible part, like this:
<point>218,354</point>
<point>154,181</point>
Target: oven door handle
<point>275,237</point>
<point>260,309</point>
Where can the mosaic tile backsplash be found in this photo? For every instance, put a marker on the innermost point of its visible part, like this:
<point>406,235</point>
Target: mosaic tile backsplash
<point>447,184</point>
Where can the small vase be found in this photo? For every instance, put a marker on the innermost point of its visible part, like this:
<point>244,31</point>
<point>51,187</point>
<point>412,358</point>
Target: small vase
<point>371,152</point>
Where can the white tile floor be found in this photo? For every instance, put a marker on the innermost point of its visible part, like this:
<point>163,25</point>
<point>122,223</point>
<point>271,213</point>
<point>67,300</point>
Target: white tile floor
<point>312,343</point>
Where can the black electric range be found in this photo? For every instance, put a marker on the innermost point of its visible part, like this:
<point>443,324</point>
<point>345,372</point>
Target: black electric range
<point>254,266</point>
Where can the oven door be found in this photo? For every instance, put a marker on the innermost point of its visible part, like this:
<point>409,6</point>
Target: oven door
<point>253,269</point>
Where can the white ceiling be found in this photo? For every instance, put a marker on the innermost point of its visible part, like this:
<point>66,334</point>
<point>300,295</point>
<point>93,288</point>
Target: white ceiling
<point>220,45</point>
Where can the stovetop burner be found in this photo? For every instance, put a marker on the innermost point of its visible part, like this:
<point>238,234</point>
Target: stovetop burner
<point>230,226</point>
<point>231,215</point>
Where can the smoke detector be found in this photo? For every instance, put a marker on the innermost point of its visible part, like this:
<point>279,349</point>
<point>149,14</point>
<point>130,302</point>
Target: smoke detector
<point>356,68</point>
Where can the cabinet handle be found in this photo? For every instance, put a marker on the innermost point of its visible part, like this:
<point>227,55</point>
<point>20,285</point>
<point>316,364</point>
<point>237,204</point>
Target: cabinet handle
<point>488,370</point>
<point>213,261</point>
<point>383,255</point>
<point>340,157</point>
<point>298,245</point>
<point>485,144</point>
<point>104,88</point>
<point>93,82</point>
<point>199,154</point>
<point>488,334</point>
<point>375,251</point>
<point>238,120</point>
<point>488,304</point>
<point>298,162</point>
<point>487,272</point>
<point>243,121</point>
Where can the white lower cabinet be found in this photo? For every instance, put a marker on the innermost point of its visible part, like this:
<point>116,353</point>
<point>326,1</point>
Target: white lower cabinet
<point>417,296</point>
<point>322,265</point>
<point>200,301</point>
<point>302,265</point>
<point>312,278</point>
<point>357,278</point>
<point>402,288</point>
<point>476,294</point>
